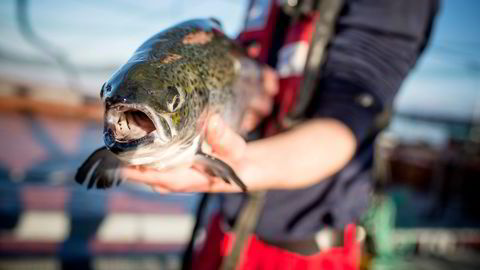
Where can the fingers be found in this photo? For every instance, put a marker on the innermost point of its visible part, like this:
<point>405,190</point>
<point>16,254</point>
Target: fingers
<point>270,81</point>
<point>250,121</point>
<point>178,180</point>
<point>261,105</point>
<point>160,189</point>
<point>225,142</point>
<point>175,180</point>
<point>270,77</point>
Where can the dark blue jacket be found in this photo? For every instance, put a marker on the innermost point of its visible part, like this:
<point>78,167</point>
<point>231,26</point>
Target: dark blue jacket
<point>376,44</point>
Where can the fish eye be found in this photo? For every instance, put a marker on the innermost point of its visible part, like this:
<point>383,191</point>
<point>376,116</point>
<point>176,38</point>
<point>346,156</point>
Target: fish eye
<point>174,99</point>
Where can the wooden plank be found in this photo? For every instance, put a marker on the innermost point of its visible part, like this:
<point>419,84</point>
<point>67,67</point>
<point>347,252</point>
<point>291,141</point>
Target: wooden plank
<point>84,111</point>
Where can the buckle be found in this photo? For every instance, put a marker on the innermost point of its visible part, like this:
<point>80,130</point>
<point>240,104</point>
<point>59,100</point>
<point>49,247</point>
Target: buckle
<point>297,8</point>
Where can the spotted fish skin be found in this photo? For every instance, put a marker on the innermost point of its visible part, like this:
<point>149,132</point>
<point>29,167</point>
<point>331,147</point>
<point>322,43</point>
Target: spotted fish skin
<point>194,59</point>
<point>179,77</point>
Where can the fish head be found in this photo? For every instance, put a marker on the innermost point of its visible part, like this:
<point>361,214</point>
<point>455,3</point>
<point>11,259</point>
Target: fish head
<point>150,112</point>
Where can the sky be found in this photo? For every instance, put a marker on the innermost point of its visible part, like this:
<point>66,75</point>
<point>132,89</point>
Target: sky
<point>97,36</point>
<point>446,80</point>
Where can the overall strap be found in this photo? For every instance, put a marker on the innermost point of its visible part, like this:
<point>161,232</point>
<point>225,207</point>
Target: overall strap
<point>328,11</point>
<point>324,28</point>
<point>244,226</point>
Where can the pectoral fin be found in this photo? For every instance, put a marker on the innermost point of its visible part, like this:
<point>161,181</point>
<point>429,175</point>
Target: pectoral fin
<point>101,170</point>
<point>219,168</point>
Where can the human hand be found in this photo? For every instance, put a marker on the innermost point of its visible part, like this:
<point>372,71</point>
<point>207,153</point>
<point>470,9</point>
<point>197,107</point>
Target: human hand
<point>261,105</point>
<point>226,144</point>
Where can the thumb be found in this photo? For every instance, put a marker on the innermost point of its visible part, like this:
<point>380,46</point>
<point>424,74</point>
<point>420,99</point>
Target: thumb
<point>225,142</point>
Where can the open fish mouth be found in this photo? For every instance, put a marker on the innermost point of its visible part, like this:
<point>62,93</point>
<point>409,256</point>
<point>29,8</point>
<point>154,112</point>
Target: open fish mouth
<point>129,126</point>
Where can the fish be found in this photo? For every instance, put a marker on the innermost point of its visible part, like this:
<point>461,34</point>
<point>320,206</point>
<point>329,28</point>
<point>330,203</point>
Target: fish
<point>158,102</point>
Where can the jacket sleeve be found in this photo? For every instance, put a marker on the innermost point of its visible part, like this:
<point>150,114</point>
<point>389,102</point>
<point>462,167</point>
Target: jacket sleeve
<point>376,44</point>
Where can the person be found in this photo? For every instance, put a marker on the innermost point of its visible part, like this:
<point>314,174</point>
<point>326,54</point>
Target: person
<point>317,173</point>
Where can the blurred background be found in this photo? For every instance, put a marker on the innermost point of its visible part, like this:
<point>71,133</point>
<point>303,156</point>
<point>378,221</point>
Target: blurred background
<point>54,57</point>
